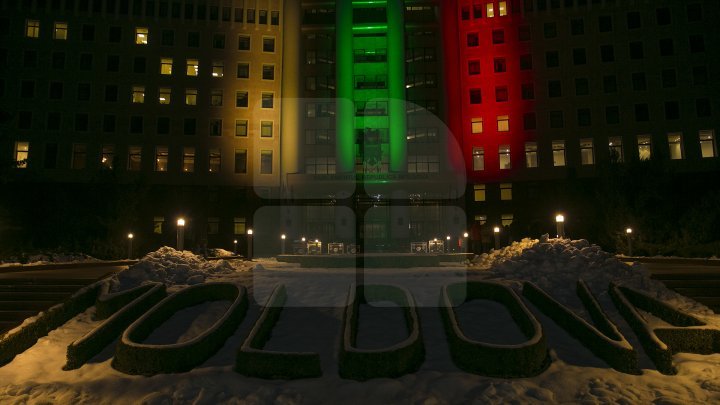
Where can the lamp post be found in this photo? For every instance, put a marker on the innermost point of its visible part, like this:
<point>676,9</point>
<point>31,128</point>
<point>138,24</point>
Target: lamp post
<point>282,244</point>
<point>130,241</point>
<point>496,232</point>
<point>447,249</point>
<point>180,233</point>
<point>628,234</point>
<point>465,242</point>
<point>560,225</point>
<point>235,246</point>
<point>249,243</point>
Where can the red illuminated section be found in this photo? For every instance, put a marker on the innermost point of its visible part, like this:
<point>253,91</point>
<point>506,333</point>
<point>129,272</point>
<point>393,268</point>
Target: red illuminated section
<point>490,87</point>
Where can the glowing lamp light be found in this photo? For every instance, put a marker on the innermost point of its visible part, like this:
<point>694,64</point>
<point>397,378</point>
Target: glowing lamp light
<point>235,241</point>
<point>303,239</point>
<point>181,222</point>
<point>496,229</point>
<point>317,240</point>
<point>447,237</point>
<point>465,235</point>
<point>249,231</point>
<point>283,236</point>
<point>629,231</point>
<point>130,236</point>
<point>560,218</point>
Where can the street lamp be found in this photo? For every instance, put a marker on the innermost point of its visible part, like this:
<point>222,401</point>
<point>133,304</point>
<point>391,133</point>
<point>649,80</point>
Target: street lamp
<point>465,242</point>
<point>447,249</point>
<point>628,234</point>
<point>235,246</point>
<point>249,243</point>
<point>282,244</point>
<point>496,233</point>
<point>560,225</point>
<point>180,233</point>
<point>130,241</point>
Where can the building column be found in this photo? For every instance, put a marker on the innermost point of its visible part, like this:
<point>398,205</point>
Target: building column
<point>345,108</point>
<point>396,85</point>
<point>290,126</point>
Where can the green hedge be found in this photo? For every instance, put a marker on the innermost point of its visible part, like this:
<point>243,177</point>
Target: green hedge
<point>20,339</point>
<point>689,333</point>
<point>133,357</point>
<point>83,349</point>
<point>605,341</point>
<point>397,360</point>
<point>521,360</point>
<point>253,361</point>
<point>108,304</point>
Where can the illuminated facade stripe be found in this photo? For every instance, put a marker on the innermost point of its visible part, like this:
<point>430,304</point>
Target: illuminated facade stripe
<point>345,128</point>
<point>396,85</point>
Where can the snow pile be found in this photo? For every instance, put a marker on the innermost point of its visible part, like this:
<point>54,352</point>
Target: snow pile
<point>171,267</point>
<point>217,252</point>
<point>48,257</point>
<point>497,256</point>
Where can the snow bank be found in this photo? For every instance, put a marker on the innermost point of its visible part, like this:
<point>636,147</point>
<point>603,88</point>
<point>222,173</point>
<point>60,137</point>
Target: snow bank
<point>172,267</point>
<point>217,252</point>
<point>497,256</point>
<point>49,257</point>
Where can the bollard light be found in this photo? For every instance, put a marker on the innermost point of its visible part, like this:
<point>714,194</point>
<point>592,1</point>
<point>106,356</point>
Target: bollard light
<point>496,229</point>
<point>249,244</point>
<point>560,225</point>
<point>496,232</point>
<point>130,237</point>
<point>180,233</point>
<point>235,246</point>
<point>282,244</point>
<point>628,234</point>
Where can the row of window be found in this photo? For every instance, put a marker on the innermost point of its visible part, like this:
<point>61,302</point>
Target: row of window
<point>239,225</point>
<point>137,124</point>
<point>488,9</point>
<point>663,15</point>
<point>109,159</point>
<point>676,151</point>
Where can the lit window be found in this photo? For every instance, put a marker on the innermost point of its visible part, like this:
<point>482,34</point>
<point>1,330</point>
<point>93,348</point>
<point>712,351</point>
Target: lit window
<point>506,219</point>
<point>164,95</point>
<point>32,28</point>
<point>141,35</point>
<point>60,31</point>
<point>506,191</point>
<point>107,157</point>
<point>134,158</point>
<point>191,96</point>
<point>79,156</point>
<point>239,226</point>
<point>138,94</point>
<point>158,225</point>
<point>504,151</point>
<point>531,159</point>
<point>214,160</point>
<point>240,161</point>
<point>502,8</point>
<point>616,149</point>
<point>479,192</point>
<point>267,100</point>
<point>218,68</point>
<point>266,129</point>
<point>188,160</point>
<point>477,125</point>
<point>22,150</point>
<point>675,145</point>
<point>213,225</point>
<point>266,161</point>
<point>193,67</point>
<point>216,98</point>
<point>241,127</point>
<point>503,123</point>
<point>478,158</point>
<point>268,44</point>
<point>707,143</point>
<point>482,219</point>
<point>558,149</point>
<point>161,158</point>
<point>490,10</point>
<point>587,156</point>
<point>644,147</point>
<point>166,66</point>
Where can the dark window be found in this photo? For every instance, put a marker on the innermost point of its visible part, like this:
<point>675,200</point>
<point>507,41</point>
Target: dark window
<point>550,30</point>
<point>472,39</point>
<point>29,59</point>
<point>113,63</point>
<point>694,12</point>
<point>465,13</point>
<point>667,48</point>
<point>241,99</point>
<point>527,91</point>
<point>474,67</point>
<point>51,152</point>
<point>703,107</point>
<point>609,84</point>
<point>114,34</point>
<point>86,60</point>
<point>240,161</point>
<point>58,60</point>
<point>25,120</point>
<point>554,88</point>
<point>163,125</point>
<point>524,33</point>
<point>642,113</point>
<point>136,124</point>
<point>268,44</point>
<point>475,96</point>
<point>109,123</point>
<point>83,92</point>
<point>275,18</point>
<point>577,26</point>
<point>583,117</point>
<point>669,78</point>
<point>251,16</point>
<point>529,121</point>
<point>54,120</point>
<point>499,65</point>
<point>633,20</point>
<point>244,43</point>
<point>215,127</point>
<point>607,53</point>
<point>27,89</point>
<point>612,114</point>
<point>556,119</point>
<point>639,82</point>
<point>579,56</point>
<point>167,37</point>
<point>552,59</point>
<point>56,90</point>
<point>111,93</point>
<point>663,16</point>
<point>263,17</point>
<point>193,39</point>
<point>219,41</point>
<point>525,62</point>
<point>498,36</point>
<point>582,86</point>
<point>672,110</point>
<point>700,75</point>
<point>268,72</point>
<point>501,94</point>
<point>81,122</point>
<point>189,126</point>
<point>605,23</point>
<point>697,43</point>
<point>139,64</point>
<point>88,32</point>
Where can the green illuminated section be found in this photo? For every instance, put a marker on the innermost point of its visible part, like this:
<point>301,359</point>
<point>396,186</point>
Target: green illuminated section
<point>344,127</point>
<point>396,85</point>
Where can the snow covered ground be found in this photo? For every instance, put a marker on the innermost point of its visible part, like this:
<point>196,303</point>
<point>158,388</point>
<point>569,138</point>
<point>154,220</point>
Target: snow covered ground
<point>45,258</point>
<point>312,322</point>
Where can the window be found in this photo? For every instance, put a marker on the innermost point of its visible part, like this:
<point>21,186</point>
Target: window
<point>267,100</point>
<point>502,8</point>
<point>557,119</point>
<point>579,56</point>
<point>636,50</point>
<point>268,44</point>
<point>192,67</point>
<point>216,98</point>
<point>475,96</point>
<point>582,86</point>
<point>22,151</point>
<point>107,157</point>
<point>474,67</point>
<point>241,127</point>
<point>163,125</point>
<point>667,47</point>
<point>642,113</point>
<point>61,30</point>
<point>504,152</point>
<point>610,84</point>
<point>193,39</point>
<point>240,161</point>
<point>694,12</point>
<point>81,122</point>
<point>243,70</point>
<point>30,58</point>
<point>266,161</point>
<point>558,150</point>
<point>113,63</point>
<point>213,225</point>
<point>189,126</point>
<point>321,165</point>
<point>605,23</point>
<point>54,119</point>
<point>139,64</point>
<point>506,191</point>
<point>478,158</point>
<point>83,91</point>
<point>675,145</point>
<point>166,65</point>
<point>700,75</point>
<point>266,129</point>
<point>51,153</point>
<point>506,219</point>
<point>251,16</point>
<point>56,90</point>
<point>27,89</point>
<point>479,192</point>
<point>32,28</point>
<point>490,10</point>
<point>274,18</point>
<point>161,158</point>
<point>524,33</point>
<point>529,121</point>
<point>214,160</point>
<point>703,107</point>
<point>554,88</point>
<point>607,53</point>
<point>616,149</point>
<point>669,78</point>
<point>527,91</point>
<point>191,96</point>
<point>587,155</point>
<point>134,158</point>
<point>672,110</point>
<point>501,94</point>
<point>499,65</point>
<point>141,35</point>
<point>215,127</point>
<point>25,120</point>
<point>663,16</point>
<point>639,82</point>
<point>577,26</point>
<point>79,156</point>
<point>633,20</point>
<point>138,94</point>
<point>707,143</point>
<point>238,226</point>
<point>114,34</point>
<point>188,157</point>
<point>550,30</point>
<point>241,99</point>
<point>268,72</point>
<point>612,114</point>
<point>218,68</point>
<point>244,43</point>
<point>476,125</point>
<point>552,59</point>
<point>503,123</point>
<point>531,158</point>
<point>58,60</point>
<point>164,94</point>
<point>498,36</point>
<point>136,124</point>
<point>167,38</point>
<point>218,41</point>
<point>583,117</point>
<point>158,225</point>
<point>644,147</point>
